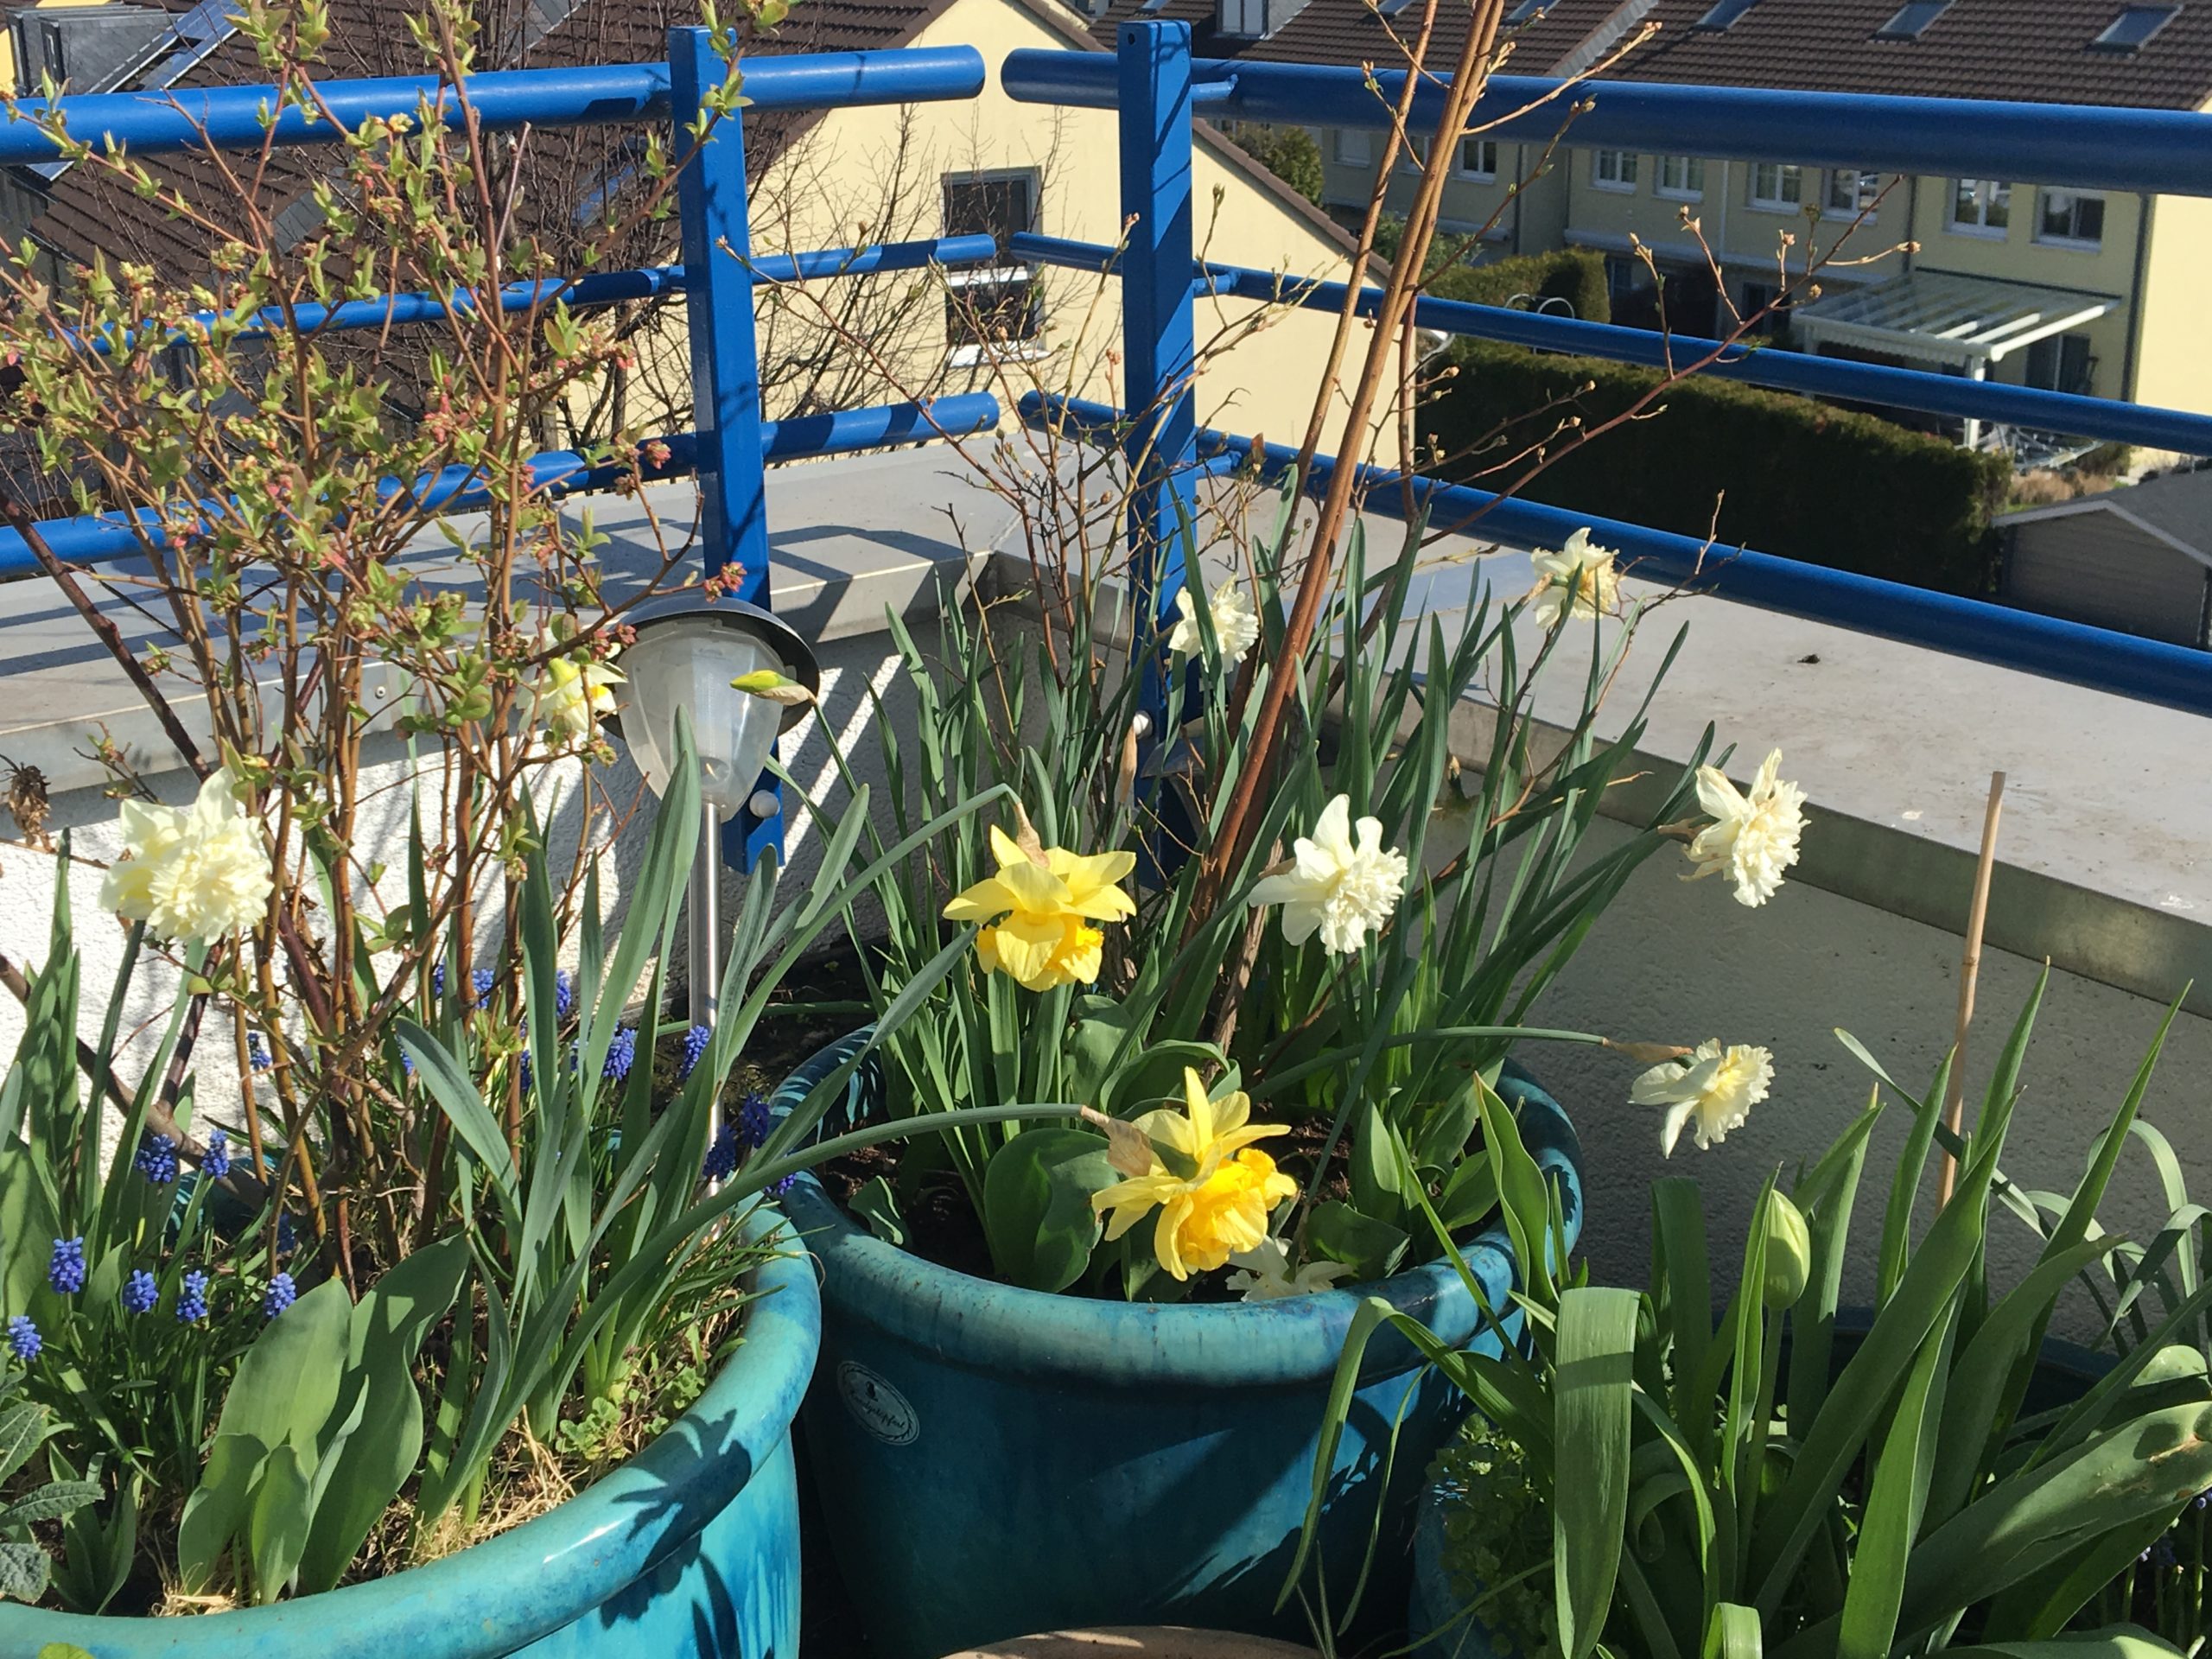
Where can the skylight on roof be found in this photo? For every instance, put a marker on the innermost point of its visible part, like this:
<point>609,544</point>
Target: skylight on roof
<point>2134,27</point>
<point>1392,8</point>
<point>1912,20</point>
<point>1521,13</point>
<point>1723,13</point>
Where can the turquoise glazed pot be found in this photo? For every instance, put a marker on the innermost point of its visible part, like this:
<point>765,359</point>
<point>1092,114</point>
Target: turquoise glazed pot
<point>688,1551</point>
<point>993,1461</point>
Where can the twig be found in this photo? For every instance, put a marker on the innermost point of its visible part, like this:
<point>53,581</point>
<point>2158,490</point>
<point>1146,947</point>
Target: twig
<point>1969,968</point>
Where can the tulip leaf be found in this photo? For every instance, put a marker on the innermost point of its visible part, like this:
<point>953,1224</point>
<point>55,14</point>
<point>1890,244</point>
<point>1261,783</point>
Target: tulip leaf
<point>1593,1406</point>
<point>1037,1212</point>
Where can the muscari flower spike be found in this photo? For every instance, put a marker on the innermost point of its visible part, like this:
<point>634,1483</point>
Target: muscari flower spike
<point>564,994</point>
<point>257,1054</point>
<point>23,1339</point>
<point>192,1299</point>
<point>695,1049</point>
<point>140,1292</point>
<point>479,985</point>
<point>215,1162</point>
<point>65,1268</point>
<point>279,1296</point>
<point>721,1155</point>
<point>156,1160</point>
<point>619,1054</point>
<point>437,979</point>
<point>754,1120</point>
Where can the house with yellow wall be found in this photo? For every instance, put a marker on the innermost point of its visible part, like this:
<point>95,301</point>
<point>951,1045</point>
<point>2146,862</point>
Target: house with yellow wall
<point>2080,291</point>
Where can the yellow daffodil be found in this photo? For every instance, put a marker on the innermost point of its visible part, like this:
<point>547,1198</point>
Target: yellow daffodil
<point>1220,1207</point>
<point>573,697</point>
<point>1041,904</point>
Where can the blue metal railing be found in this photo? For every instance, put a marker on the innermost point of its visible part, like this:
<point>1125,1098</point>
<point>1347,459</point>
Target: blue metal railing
<point>1156,84</point>
<point>2164,151</point>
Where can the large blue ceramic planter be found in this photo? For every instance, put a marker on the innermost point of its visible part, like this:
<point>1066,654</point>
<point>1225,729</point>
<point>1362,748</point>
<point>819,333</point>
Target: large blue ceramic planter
<point>689,1549</point>
<point>995,1461</point>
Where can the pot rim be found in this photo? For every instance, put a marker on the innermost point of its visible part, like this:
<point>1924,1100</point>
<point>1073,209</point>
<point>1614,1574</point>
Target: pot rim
<point>567,1561</point>
<point>1295,1340</point>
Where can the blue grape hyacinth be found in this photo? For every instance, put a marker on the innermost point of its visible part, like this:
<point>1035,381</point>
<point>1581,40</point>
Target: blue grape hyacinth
<point>215,1162</point>
<point>286,1237</point>
<point>65,1268</point>
<point>438,978</point>
<point>564,994</point>
<point>257,1054</point>
<point>753,1119</point>
<point>721,1155</point>
<point>192,1299</point>
<point>140,1292</point>
<point>621,1053</point>
<point>694,1050</point>
<point>479,985</point>
<point>156,1160</point>
<point>279,1296</point>
<point>23,1339</point>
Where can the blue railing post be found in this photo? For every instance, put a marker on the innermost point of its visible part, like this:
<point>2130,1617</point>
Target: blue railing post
<point>724,358</point>
<point>1159,337</point>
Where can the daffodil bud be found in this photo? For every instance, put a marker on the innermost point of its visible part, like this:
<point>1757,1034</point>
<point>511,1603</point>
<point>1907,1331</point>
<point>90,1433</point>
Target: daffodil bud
<point>1788,1252</point>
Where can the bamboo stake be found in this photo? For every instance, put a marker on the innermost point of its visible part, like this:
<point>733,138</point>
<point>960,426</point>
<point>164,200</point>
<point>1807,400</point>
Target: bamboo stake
<point>1969,970</point>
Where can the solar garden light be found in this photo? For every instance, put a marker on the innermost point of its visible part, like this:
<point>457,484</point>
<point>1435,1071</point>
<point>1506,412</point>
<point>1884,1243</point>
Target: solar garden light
<point>688,651</point>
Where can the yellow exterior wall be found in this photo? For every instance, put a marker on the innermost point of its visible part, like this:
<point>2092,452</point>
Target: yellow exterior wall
<point>1535,222</point>
<point>2174,353</point>
<point>1747,239</point>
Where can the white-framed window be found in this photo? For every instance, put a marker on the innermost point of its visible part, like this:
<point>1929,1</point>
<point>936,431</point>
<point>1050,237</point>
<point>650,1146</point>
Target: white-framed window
<point>1980,206</point>
<point>1613,169</point>
<point>1413,155</point>
<point>2070,218</point>
<point>995,311</point>
<point>1682,177</point>
<point>1853,192</point>
<point>1354,147</point>
<point>1778,186</point>
<point>1477,160</point>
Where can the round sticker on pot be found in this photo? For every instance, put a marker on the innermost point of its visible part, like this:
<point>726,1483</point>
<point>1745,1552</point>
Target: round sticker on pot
<point>875,1405</point>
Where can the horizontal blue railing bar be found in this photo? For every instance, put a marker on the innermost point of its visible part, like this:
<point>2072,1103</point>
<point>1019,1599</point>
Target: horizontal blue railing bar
<point>2147,669</point>
<point>2167,151</point>
<point>564,472</point>
<point>2102,418</point>
<point>232,117</point>
<point>601,288</point>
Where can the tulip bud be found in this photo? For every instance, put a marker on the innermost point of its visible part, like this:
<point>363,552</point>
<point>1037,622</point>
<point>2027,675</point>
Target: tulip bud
<point>1788,1252</point>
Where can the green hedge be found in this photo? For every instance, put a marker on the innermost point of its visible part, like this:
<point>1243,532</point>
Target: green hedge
<point>1828,486</point>
<point>1575,275</point>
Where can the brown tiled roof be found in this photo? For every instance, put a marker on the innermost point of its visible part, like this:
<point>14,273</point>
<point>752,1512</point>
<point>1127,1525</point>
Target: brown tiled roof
<point>2036,50</point>
<point>1352,32</point>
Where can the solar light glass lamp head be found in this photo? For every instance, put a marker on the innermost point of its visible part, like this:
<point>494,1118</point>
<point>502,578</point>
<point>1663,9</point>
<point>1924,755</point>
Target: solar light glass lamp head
<point>686,652</point>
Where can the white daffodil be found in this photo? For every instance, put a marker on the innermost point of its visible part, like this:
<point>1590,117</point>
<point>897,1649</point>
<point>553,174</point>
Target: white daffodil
<point>1264,1273</point>
<point>575,695</point>
<point>1578,579</point>
<point>199,872</point>
<point>1334,886</point>
<point>1235,628</point>
<point>1713,1090</point>
<point>1753,835</point>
